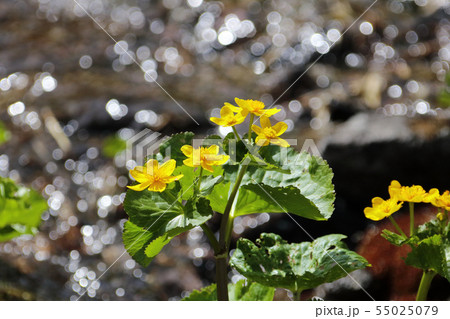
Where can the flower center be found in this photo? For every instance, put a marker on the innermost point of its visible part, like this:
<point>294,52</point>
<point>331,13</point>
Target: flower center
<point>156,178</point>
<point>269,133</point>
<point>256,106</point>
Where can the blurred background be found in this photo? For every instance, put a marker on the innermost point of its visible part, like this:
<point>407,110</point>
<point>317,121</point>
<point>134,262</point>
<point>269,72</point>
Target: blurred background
<point>376,105</point>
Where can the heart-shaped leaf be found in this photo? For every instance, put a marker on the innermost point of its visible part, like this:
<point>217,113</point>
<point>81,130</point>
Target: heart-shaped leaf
<point>275,263</point>
<point>155,218</point>
<point>306,190</point>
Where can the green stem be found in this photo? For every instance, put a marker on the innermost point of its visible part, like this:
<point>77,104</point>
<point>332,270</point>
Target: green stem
<point>199,183</point>
<point>212,239</point>
<point>222,255</point>
<point>236,134</point>
<point>397,226</point>
<point>424,286</point>
<point>297,295</point>
<point>172,198</point>
<point>229,229</point>
<point>411,219</point>
<point>252,117</point>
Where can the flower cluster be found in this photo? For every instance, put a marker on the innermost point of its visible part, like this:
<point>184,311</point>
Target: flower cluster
<point>412,194</point>
<point>231,115</point>
<point>155,177</point>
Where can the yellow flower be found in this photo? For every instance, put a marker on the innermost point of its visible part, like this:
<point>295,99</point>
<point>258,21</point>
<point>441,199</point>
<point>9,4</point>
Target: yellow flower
<point>153,176</point>
<point>227,116</point>
<point>204,157</point>
<point>255,107</point>
<point>382,208</point>
<point>442,201</point>
<point>270,134</point>
<point>412,194</point>
<point>431,196</point>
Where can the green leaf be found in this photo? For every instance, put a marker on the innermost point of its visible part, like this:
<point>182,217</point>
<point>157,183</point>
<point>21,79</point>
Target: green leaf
<point>394,238</point>
<point>113,145</point>
<point>263,198</point>
<point>208,183</point>
<point>159,217</point>
<point>250,291</point>
<point>444,95</point>
<point>135,240</point>
<point>432,253</point>
<point>188,180</point>
<point>208,293</point>
<point>234,148</point>
<point>20,210</point>
<point>219,196</point>
<point>240,291</point>
<point>5,135</point>
<point>152,209</point>
<point>429,229</point>
<point>156,245</point>
<point>275,263</point>
<point>172,146</point>
<point>306,190</point>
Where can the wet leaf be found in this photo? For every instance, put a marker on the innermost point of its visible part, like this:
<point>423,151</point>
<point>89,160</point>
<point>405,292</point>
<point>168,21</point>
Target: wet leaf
<point>275,263</point>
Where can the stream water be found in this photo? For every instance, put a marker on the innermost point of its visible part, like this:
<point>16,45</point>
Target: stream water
<point>75,72</point>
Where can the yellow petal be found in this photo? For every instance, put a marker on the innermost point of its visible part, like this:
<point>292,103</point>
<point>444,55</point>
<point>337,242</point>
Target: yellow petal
<point>157,187</point>
<point>139,187</point>
<point>213,149</point>
<point>265,122</point>
<point>138,174</point>
<point>170,179</point>
<point>244,113</point>
<point>270,112</point>
<point>232,107</point>
<point>394,188</point>
<point>152,166</point>
<point>261,141</point>
<point>189,162</point>
<point>377,201</point>
<point>279,141</point>
<point>372,214</point>
<point>212,157</point>
<point>187,150</point>
<point>167,168</point>
<point>207,167</point>
<point>242,103</point>
<point>280,128</point>
<point>217,121</point>
<point>226,111</point>
<point>395,184</point>
<point>256,129</point>
<point>222,160</point>
<point>238,119</point>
